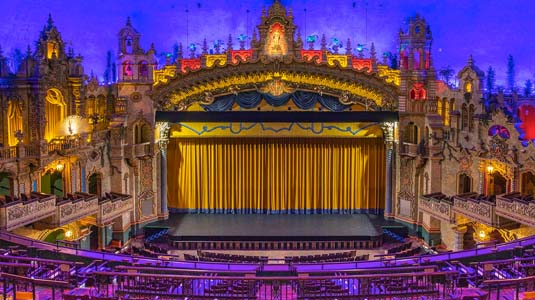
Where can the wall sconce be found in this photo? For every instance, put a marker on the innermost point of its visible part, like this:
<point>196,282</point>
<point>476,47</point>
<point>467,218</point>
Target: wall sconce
<point>59,167</point>
<point>68,234</point>
<point>482,234</point>
<point>490,169</point>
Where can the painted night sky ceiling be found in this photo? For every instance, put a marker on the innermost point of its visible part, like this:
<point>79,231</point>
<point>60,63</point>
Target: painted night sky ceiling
<point>489,30</point>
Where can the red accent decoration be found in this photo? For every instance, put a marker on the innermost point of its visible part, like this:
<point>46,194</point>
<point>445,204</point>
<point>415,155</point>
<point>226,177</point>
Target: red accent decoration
<point>526,114</point>
<point>360,64</point>
<point>312,55</point>
<point>244,55</point>
<point>442,87</point>
<point>427,58</point>
<point>190,64</point>
<point>418,92</point>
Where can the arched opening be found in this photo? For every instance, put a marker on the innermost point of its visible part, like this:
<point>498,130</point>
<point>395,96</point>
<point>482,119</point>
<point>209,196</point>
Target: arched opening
<point>128,70</point>
<point>471,111</point>
<point>56,235</point>
<point>143,70</point>
<point>128,45</point>
<point>141,133</point>
<point>411,133</point>
<point>52,183</point>
<point>6,185</point>
<point>527,183</point>
<point>465,184</point>
<point>52,50</point>
<point>95,184</point>
<point>100,108</point>
<point>468,87</point>
<point>497,184</point>
<point>90,106</point>
<point>468,238</point>
<point>464,117</point>
<point>14,122</point>
<point>439,107</point>
<point>55,112</point>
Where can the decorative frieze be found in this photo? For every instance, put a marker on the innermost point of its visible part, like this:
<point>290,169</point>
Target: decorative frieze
<point>438,208</point>
<point>114,207</point>
<point>20,213</point>
<point>70,210</point>
<point>515,208</point>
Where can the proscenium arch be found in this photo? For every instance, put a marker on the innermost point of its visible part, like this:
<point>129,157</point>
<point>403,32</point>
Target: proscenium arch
<point>350,86</point>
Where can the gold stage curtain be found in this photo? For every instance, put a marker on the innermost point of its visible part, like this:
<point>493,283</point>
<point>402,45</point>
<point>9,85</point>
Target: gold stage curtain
<point>276,175</point>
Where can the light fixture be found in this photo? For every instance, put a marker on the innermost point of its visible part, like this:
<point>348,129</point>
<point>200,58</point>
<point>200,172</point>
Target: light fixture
<point>59,167</point>
<point>68,234</point>
<point>482,234</point>
<point>490,169</point>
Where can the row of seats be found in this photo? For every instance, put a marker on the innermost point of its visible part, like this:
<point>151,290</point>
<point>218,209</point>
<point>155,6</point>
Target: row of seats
<point>330,257</point>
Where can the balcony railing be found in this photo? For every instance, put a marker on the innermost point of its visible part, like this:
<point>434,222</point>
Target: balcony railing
<point>516,207</point>
<point>145,149</point>
<point>17,212</point>
<point>112,206</point>
<point>64,145</point>
<point>437,205</point>
<point>17,152</point>
<point>75,207</point>
<point>480,208</point>
<point>408,149</point>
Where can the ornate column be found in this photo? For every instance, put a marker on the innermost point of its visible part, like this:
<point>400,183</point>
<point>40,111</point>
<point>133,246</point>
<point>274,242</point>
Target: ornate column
<point>164,128</point>
<point>388,132</point>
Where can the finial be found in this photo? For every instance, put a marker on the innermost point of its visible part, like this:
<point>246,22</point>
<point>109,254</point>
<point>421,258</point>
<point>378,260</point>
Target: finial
<point>179,54</point>
<point>229,44</point>
<point>372,51</point>
<point>204,46</point>
<point>348,46</point>
<point>299,39</point>
<point>128,22</point>
<point>50,22</point>
<point>28,51</point>
<point>92,74</point>
<point>323,42</point>
<point>470,60</point>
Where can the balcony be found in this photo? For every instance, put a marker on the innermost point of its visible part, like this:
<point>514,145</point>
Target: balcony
<point>17,212</point>
<point>17,152</point>
<point>516,207</point>
<point>145,149</point>
<point>64,145</point>
<point>75,207</point>
<point>480,208</point>
<point>437,205</point>
<point>113,206</point>
<point>408,149</point>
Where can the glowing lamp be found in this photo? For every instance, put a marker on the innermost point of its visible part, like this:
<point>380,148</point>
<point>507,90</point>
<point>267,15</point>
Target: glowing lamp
<point>60,167</point>
<point>482,234</point>
<point>490,169</point>
<point>68,234</point>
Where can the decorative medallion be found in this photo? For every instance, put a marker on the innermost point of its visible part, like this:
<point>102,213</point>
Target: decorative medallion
<point>465,163</point>
<point>276,88</point>
<point>135,97</point>
<point>94,155</point>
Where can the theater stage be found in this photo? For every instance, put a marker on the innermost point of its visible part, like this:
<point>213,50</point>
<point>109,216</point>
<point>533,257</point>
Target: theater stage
<point>272,232</point>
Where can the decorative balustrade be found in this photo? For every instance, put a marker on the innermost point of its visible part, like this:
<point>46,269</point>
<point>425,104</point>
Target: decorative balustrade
<point>516,207</point>
<point>8,153</point>
<point>437,205</point>
<point>18,152</point>
<point>75,207</point>
<point>64,145</point>
<point>145,149</point>
<point>25,210</point>
<point>478,207</point>
<point>113,206</point>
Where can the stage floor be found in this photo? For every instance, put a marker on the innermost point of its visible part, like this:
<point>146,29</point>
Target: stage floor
<point>256,227</point>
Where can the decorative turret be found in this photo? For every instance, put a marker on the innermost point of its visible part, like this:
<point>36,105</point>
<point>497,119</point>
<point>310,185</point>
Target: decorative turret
<point>129,40</point>
<point>50,45</point>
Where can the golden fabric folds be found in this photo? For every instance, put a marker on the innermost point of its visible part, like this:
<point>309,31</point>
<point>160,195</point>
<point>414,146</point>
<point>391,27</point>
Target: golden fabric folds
<point>55,109</point>
<point>299,175</point>
<point>14,123</point>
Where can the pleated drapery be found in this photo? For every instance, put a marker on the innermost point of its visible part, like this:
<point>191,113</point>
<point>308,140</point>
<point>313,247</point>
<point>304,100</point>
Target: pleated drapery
<point>276,175</point>
<point>14,122</point>
<point>55,112</point>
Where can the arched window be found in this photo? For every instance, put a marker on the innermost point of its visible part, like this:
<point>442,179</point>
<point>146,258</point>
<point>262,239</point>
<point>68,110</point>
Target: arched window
<point>528,183</point>
<point>14,121</point>
<point>129,45</point>
<point>90,106</point>
<point>95,184</point>
<point>411,133</point>
<point>497,184</point>
<point>6,184</point>
<point>55,112</point>
<point>128,70</point>
<point>141,132</point>
<point>464,117</point>
<point>465,184</point>
<point>143,70</point>
<point>439,106</point>
<point>471,111</point>
<point>468,87</point>
<point>52,50</point>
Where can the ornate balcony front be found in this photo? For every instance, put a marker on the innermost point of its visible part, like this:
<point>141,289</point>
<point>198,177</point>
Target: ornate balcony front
<point>18,212</point>
<point>64,145</point>
<point>478,207</point>
<point>145,149</point>
<point>112,206</point>
<point>516,207</point>
<point>18,152</point>
<point>408,149</point>
<point>437,205</point>
<point>75,207</point>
